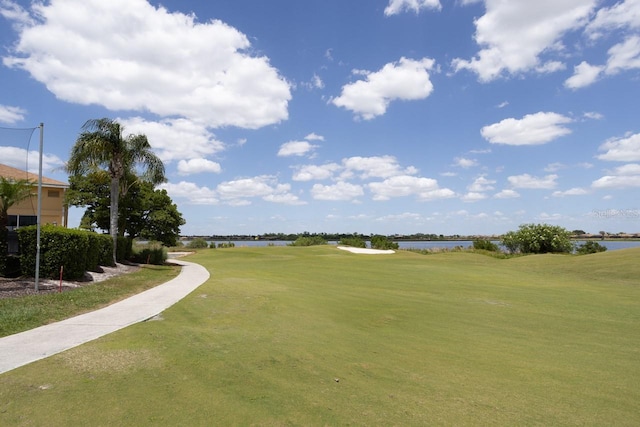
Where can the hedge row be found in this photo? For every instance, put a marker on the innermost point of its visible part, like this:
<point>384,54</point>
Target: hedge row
<point>74,251</point>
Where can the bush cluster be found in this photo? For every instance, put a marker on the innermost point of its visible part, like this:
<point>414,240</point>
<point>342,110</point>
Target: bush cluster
<point>538,239</point>
<point>590,247</point>
<point>382,242</point>
<point>71,252</point>
<point>151,253</point>
<point>198,243</point>
<point>353,241</point>
<point>309,241</point>
<point>485,245</point>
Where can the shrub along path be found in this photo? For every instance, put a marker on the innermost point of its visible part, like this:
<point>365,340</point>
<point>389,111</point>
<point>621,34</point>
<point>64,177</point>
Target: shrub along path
<point>26,347</point>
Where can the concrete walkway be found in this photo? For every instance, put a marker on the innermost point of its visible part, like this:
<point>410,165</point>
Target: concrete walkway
<point>26,347</point>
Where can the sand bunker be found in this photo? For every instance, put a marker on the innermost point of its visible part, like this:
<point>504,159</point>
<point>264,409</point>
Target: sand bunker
<point>366,251</point>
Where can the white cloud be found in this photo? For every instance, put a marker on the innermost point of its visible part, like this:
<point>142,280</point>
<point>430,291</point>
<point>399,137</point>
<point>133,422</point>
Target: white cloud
<point>341,191</point>
<point>465,163</point>
<point>532,182</point>
<point>532,129</point>
<point>513,35</point>
<point>624,56</point>
<point>481,184</point>
<point>174,139</point>
<point>11,115</point>
<point>375,167</point>
<point>193,166</point>
<point>473,197</point>
<point>20,158</point>
<point>314,172</point>
<point>154,60</point>
<point>190,191</point>
<point>398,6</point>
<point>623,15</point>
<point>593,115</point>
<point>626,149</point>
<point>314,137</point>
<point>621,177</point>
<point>550,67</point>
<point>296,148</point>
<point>571,192</point>
<point>584,74</point>
<point>400,186</point>
<point>507,194</point>
<point>406,80</point>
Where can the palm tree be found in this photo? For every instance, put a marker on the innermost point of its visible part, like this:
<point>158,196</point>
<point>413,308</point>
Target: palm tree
<point>101,145</point>
<point>11,192</point>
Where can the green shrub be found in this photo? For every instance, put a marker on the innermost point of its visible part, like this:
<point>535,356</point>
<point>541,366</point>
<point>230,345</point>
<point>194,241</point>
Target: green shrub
<point>538,239</point>
<point>124,249</point>
<point>590,247</point>
<point>309,241</point>
<point>93,253</point>
<point>354,241</point>
<point>105,249</point>
<point>60,248</point>
<point>225,245</point>
<point>485,245</point>
<point>382,242</point>
<point>198,243</point>
<point>151,253</point>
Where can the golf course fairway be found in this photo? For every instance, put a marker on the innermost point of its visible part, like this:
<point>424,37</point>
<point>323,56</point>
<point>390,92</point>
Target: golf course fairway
<point>316,336</point>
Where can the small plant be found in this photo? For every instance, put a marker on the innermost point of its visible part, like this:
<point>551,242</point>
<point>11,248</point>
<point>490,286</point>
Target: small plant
<point>226,245</point>
<point>590,247</point>
<point>198,243</point>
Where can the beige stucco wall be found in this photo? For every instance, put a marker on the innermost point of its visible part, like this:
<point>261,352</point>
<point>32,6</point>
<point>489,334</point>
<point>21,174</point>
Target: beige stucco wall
<point>53,209</point>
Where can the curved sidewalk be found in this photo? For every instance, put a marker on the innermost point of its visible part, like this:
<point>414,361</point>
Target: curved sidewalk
<point>26,347</point>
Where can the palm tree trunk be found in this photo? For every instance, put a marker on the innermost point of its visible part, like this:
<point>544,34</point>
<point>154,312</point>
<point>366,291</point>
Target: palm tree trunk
<point>113,214</point>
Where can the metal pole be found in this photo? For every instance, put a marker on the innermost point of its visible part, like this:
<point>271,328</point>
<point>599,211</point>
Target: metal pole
<point>39,208</point>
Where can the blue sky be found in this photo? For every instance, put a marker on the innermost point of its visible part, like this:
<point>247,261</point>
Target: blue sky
<point>369,116</point>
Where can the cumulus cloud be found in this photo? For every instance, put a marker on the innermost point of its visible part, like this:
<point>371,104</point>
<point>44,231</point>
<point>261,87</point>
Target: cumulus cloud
<point>398,6</point>
<point>237,192</point>
<point>190,192</point>
<point>166,63</point>
<point>175,139</point>
<point>623,15</point>
<point>625,149</point>
<point>296,148</point>
<point>465,163</point>
<point>532,182</point>
<point>482,184</point>
<point>621,177</point>
<point>405,80</point>
<point>193,166</point>
<point>340,191</point>
<point>20,158</point>
<point>571,192</point>
<point>11,115</point>
<point>514,35</point>
<point>532,129</point>
<point>473,196</point>
<point>375,167</point>
<point>315,172</point>
<point>423,189</point>
<point>507,194</point>
<point>584,74</point>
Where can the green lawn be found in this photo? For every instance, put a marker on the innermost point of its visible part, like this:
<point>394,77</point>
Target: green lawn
<point>318,336</point>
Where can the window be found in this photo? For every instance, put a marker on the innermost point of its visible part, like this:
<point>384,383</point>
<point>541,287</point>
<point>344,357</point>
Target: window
<point>53,193</point>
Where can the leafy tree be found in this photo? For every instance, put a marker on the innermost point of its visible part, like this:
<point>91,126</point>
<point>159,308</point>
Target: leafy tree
<point>198,243</point>
<point>538,239</point>
<point>143,211</point>
<point>102,145</point>
<point>382,242</point>
<point>11,192</point>
<point>590,247</point>
<point>308,240</point>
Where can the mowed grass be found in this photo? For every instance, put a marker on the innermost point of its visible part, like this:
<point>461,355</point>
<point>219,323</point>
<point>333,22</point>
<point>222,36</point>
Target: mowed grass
<point>319,336</point>
<point>24,313</point>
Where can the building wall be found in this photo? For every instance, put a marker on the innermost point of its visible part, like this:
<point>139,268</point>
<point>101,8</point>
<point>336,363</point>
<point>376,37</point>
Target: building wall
<point>53,209</point>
